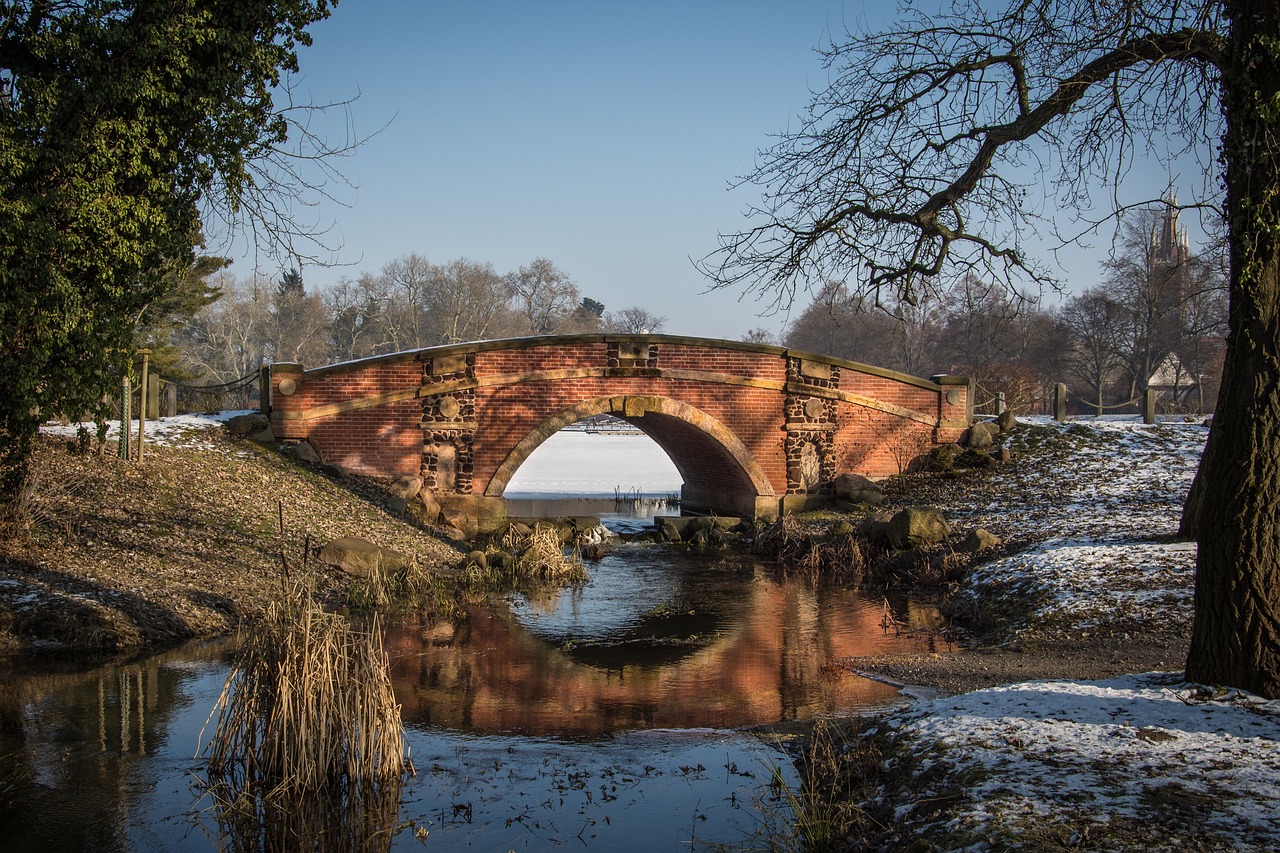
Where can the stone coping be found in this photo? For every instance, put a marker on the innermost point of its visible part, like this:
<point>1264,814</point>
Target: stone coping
<point>568,340</point>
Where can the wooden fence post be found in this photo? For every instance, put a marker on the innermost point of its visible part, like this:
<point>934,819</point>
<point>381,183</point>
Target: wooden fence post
<point>999,403</point>
<point>142,405</point>
<point>153,396</point>
<point>170,399</point>
<point>126,415</point>
<point>1060,402</point>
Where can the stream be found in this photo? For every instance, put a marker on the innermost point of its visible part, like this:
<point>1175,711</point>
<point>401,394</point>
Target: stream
<point>608,715</point>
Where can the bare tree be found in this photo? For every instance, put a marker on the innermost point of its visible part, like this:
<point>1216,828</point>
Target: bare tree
<point>635,321</point>
<point>1096,325</point>
<point>908,163</point>
<point>546,295</point>
<point>843,324</point>
<point>760,336</point>
<point>229,338</point>
<point>407,282</point>
<point>465,302</point>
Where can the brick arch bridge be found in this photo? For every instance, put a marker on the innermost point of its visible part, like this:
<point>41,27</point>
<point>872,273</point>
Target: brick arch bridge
<point>753,430</point>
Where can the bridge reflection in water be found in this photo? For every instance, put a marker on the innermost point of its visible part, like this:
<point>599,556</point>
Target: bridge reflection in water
<point>657,639</point>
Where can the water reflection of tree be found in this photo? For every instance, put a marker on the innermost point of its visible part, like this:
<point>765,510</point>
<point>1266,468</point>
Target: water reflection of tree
<point>64,728</point>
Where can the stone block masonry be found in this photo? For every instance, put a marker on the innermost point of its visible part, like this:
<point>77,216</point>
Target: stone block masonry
<point>753,430</point>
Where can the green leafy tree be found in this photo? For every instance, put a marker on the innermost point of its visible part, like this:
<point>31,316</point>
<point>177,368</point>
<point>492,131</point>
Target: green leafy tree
<point>120,122</point>
<point>913,160</point>
<point>185,294</point>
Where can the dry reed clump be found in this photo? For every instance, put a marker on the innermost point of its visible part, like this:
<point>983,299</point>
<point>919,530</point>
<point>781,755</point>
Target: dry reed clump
<point>839,770</point>
<point>382,589</point>
<point>540,557</point>
<point>837,555</point>
<point>521,557</point>
<point>308,706</point>
<point>366,819</point>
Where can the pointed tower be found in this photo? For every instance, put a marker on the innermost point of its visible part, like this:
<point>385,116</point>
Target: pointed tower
<point>1170,283</point>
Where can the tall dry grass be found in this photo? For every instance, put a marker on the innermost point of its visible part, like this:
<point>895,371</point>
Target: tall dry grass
<point>308,705</point>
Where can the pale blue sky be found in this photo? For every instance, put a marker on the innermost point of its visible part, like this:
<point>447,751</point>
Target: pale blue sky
<point>602,135</point>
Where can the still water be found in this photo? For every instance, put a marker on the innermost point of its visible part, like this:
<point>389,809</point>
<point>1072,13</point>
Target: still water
<point>603,716</point>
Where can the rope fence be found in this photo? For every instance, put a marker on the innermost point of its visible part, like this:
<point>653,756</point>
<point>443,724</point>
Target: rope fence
<point>1056,399</point>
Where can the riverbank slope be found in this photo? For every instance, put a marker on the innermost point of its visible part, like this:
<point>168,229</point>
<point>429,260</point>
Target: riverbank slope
<point>122,555</point>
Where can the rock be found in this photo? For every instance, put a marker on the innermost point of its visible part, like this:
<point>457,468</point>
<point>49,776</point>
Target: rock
<point>503,561</point>
<point>335,471</point>
<point>265,436</point>
<point>1004,454</point>
<point>979,540</point>
<point>1007,421</point>
<point>699,524</point>
<point>477,559</point>
<point>405,486</point>
<point>430,507</point>
<point>304,451</point>
<point>876,527</point>
<point>973,458</point>
<point>917,527</point>
<point>942,458</point>
<point>982,434</point>
<point>670,533</point>
<point>361,558</point>
<point>840,528</point>
<point>247,424</point>
<point>857,489</point>
<point>398,506</point>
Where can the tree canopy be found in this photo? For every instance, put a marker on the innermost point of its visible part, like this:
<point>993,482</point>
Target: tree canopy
<point>120,122</point>
<point>915,162</point>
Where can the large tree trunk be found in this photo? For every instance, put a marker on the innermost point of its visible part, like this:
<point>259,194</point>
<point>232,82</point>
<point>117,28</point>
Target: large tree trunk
<point>1236,637</point>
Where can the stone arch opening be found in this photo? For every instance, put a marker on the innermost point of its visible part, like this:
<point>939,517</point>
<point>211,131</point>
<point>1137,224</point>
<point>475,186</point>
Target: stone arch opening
<point>720,473</point>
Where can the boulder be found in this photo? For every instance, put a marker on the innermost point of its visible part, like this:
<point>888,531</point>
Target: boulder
<point>840,528</point>
<point>917,527</point>
<point>982,434</point>
<point>426,507</point>
<point>304,451</point>
<point>857,489</point>
<point>978,540</point>
<point>361,558</point>
<point>477,559</point>
<point>1007,421</point>
<point>670,532</point>
<point>263,436</point>
<point>247,424</point>
<point>333,470</point>
<point>503,561</point>
<point>1004,454</point>
<point>975,458</point>
<point>942,458</point>
<point>405,486</point>
<point>876,527</point>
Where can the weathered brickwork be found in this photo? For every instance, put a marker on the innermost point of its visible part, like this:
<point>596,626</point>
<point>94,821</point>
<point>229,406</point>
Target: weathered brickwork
<point>735,419</point>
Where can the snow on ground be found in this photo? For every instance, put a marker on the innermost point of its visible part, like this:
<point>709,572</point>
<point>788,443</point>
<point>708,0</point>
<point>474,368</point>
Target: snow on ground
<point>177,431</point>
<point>1137,762</point>
<point>1093,504</point>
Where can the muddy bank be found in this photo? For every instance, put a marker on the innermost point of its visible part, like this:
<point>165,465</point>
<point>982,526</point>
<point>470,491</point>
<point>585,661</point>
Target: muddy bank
<point>1069,659</point>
